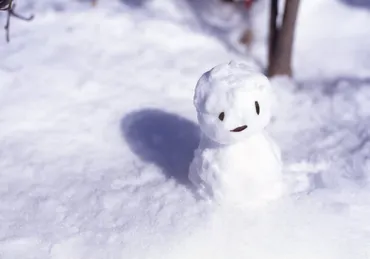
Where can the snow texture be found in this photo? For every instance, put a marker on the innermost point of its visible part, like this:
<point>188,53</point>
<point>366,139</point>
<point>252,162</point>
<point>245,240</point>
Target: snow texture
<point>236,159</point>
<point>98,129</point>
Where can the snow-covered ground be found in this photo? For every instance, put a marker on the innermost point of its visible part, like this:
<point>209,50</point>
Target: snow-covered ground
<point>97,130</point>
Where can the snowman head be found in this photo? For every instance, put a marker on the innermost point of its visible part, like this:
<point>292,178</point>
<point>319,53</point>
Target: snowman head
<point>233,102</point>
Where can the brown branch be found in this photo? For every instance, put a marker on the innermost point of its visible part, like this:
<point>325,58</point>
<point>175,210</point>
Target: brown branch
<point>21,17</point>
<point>274,30</point>
<point>7,25</point>
<point>9,6</point>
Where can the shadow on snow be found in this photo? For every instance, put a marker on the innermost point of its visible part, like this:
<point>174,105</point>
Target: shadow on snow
<point>165,139</point>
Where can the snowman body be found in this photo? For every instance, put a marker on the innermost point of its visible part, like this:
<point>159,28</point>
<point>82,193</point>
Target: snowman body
<point>236,160</point>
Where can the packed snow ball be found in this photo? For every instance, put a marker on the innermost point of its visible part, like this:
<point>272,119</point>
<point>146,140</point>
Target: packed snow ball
<point>236,160</point>
<point>231,98</point>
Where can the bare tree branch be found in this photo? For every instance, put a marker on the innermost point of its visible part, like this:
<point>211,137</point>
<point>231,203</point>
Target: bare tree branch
<point>9,6</point>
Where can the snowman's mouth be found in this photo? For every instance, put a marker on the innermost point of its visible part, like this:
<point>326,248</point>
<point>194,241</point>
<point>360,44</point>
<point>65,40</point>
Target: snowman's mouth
<point>239,129</point>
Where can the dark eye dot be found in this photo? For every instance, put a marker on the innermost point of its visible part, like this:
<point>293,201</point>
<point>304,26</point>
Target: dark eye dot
<point>257,107</point>
<point>221,116</point>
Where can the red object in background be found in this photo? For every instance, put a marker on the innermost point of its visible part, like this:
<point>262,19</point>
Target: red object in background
<point>248,3</point>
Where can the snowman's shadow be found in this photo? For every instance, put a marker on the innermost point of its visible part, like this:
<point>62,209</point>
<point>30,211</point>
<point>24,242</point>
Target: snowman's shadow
<point>163,138</point>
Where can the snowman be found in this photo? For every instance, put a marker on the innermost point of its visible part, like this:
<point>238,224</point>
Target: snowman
<point>236,160</point>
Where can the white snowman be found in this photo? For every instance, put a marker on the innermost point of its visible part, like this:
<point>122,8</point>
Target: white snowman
<point>236,160</point>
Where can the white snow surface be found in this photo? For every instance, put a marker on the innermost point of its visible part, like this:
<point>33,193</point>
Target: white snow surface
<point>98,129</point>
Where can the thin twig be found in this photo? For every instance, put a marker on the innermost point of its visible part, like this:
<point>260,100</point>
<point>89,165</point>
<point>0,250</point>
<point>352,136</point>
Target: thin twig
<point>20,16</point>
<point>9,6</point>
<point>7,25</point>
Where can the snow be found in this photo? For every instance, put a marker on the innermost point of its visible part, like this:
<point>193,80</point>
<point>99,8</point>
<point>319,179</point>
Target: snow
<point>236,161</point>
<point>233,90</point>
<point>98,129</point>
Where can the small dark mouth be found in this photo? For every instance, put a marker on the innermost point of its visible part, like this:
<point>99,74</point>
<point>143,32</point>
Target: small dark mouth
<point>239,129</point>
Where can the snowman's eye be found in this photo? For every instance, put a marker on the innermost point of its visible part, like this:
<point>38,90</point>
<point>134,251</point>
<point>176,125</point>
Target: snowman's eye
<point>257,107</point>
<point>221,116</point>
